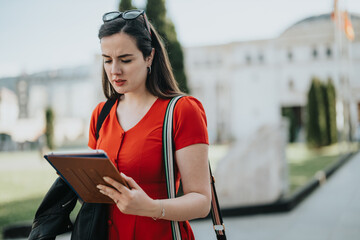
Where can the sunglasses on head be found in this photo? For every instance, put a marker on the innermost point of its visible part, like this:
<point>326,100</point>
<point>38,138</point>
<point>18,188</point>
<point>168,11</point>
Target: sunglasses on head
<point>127,15</point>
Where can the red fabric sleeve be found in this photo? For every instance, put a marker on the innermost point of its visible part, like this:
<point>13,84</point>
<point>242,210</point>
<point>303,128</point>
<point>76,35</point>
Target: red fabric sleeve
<point>190,126</point>
<point>92,130</point>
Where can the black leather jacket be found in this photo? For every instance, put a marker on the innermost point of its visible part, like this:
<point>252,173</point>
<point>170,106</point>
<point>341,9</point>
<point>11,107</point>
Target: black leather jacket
<point>52,217</point>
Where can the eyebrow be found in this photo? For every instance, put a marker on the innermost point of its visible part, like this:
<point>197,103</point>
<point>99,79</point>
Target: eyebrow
<point>121,56</point>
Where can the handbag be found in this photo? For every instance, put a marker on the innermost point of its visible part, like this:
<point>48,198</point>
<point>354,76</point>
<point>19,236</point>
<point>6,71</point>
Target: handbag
<point>168,152</point>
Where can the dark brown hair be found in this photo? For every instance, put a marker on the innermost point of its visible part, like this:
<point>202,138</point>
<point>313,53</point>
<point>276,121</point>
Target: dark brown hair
<point>161,81</point>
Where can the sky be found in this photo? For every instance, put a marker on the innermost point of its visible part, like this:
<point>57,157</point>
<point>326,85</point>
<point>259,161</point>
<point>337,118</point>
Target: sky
<point>41,35</point>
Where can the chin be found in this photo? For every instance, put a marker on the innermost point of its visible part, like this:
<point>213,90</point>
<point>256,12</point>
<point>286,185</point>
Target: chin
<point>120,92</point>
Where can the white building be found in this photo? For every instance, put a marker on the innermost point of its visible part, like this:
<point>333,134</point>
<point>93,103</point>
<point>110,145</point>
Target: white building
<point>72,94</point>
<point>244,85</point>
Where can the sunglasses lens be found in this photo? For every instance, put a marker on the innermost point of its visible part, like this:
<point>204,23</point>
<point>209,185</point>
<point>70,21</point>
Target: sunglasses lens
<point>128,15</point>
<point>110,16</point>
<point>131,14</point>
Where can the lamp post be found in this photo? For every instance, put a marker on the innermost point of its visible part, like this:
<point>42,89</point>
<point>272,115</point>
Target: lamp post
<point>343,65</point>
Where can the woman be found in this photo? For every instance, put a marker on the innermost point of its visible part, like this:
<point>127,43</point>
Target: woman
<point>137,73</point>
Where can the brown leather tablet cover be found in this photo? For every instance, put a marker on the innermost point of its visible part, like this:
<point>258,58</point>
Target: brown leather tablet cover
<point>83,174</point>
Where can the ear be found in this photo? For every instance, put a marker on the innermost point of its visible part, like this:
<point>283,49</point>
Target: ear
<point>150,58</point>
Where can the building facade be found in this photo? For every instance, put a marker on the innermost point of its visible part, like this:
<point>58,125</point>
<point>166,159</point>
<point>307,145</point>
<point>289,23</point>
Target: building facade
<point>244,85</point>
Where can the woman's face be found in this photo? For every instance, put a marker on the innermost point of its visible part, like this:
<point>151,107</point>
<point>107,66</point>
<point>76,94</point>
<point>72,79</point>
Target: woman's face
<point>124,63</point>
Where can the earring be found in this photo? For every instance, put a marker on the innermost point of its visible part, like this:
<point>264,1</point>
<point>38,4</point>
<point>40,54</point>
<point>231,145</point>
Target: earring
<point>149,70</point>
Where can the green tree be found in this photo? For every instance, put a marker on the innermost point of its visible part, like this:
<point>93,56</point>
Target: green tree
<point>326,113</point>
<point>125,5</point>
<point>331,112</point>
<point>316,120</point>
<point>49,129</point>
<point>156,12</point>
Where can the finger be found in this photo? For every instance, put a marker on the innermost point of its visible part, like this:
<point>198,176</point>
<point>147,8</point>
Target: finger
<point>109,191</point>
<point>130,181</point>
<point>115,184</point>
<point>116,200</point>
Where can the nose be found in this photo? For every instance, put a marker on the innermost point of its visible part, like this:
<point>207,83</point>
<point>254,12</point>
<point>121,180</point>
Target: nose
<point>116,68</point>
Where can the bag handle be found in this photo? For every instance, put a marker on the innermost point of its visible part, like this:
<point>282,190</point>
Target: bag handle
<point>103,114</point>
<point>168,151</point>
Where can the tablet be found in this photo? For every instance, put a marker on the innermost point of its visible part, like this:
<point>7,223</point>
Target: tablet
<point>83,171</point>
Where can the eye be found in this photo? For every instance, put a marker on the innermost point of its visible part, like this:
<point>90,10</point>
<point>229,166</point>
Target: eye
<point>126,61</point>
<point>107,61</point>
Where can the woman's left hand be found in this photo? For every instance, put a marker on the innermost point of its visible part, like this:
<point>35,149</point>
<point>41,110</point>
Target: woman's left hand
<point>129,201</point>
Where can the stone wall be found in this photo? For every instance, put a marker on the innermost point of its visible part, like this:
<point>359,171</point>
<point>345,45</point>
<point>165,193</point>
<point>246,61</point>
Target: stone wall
<point>254,171</point>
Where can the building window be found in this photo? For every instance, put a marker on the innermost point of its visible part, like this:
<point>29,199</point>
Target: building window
<point>248,59</point>
<point>315,53</point>
<point>261,58</point>
<point>291,84</point>
<point>328,52</point>
<point>290,56</point>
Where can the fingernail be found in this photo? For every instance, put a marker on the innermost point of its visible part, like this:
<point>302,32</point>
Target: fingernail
<point>98,186</point>
<point>106,178</point>
<point>122,174</point>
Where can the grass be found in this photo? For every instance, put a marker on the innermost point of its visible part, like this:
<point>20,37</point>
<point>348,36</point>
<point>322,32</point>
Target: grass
<point>305,163</point>
<point>21,211</point>
<point>25,177</point>
<point>22,184</point>
<point>301,173</point>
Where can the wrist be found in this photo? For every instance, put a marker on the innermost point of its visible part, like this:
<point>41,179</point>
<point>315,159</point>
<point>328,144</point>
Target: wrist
<point>160,210</point>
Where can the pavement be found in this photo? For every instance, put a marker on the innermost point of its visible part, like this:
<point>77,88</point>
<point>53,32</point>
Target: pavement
<point>331,212</point>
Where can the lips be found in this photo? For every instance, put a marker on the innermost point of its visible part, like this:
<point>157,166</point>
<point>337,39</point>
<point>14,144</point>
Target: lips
<point>119,82</point>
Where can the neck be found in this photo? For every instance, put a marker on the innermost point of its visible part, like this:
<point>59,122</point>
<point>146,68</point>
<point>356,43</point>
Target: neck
<point>133,99</point>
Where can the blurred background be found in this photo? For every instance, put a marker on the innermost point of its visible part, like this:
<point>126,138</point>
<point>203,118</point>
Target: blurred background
<point>279,80</point>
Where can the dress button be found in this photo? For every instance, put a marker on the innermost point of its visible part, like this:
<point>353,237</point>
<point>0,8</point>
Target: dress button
<point>110,222</point>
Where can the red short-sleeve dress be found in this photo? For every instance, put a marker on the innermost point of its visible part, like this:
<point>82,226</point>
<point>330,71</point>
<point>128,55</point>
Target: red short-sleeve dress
<point>138,153</point>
